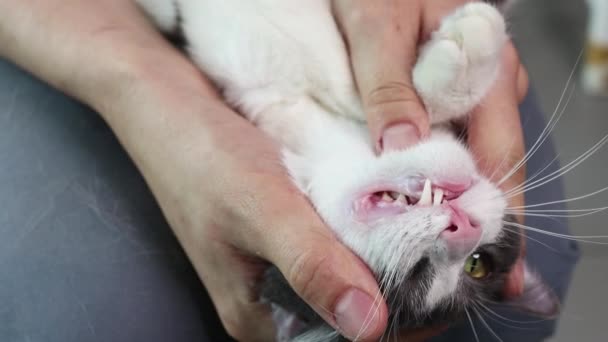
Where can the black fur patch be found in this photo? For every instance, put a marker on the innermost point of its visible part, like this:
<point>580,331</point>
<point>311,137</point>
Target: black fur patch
<point>176,36</point>
<point>407,300</point>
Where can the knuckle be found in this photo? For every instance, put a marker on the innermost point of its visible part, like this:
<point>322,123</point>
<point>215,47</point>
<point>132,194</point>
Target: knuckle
<point>244,317</point>
<point>398,95</point>
<point>356,16</point>
<point>233,322</point>
<point>308,270</point>
<point>511,57</point>
<point>391,92</point>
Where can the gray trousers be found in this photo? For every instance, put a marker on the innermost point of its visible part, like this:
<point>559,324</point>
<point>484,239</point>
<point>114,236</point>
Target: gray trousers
<point>86,255</point>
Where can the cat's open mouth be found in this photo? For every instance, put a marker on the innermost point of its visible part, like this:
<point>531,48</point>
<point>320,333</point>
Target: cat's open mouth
<point>385,202</point>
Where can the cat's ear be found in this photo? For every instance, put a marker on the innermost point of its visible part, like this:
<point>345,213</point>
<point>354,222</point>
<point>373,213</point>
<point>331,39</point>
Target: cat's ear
<point>538,298</point>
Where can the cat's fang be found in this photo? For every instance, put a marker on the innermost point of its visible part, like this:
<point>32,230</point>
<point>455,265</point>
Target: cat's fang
<point>426,197</point>
<point>438,197</point>
<point>401,198</point>
<point>386,197</point>
<point>394,195</point>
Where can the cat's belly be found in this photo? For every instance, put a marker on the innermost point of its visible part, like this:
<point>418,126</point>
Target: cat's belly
<point>271,52</point>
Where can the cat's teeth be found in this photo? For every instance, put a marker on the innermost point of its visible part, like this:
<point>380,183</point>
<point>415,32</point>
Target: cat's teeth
<point>426,197</point>
<point>438,197</point>
<point>386,197</point>
<point>401,198</point>
<point>394,195</point>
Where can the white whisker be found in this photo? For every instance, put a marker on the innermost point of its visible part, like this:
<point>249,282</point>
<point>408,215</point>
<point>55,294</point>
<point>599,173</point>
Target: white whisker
<point>472,325</point>
<point>562,215</point>
<point>488,309</point>
<point>487,325</point>
<point>529,238</point>
<point>548,127</point>
<point>523,211</point>
<point>560,172</point>
<point>561,201</point>
<point>538,173</point>
<point>563,236</point>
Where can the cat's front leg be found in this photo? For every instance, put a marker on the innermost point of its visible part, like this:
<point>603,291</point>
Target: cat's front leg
<point>459,64</point>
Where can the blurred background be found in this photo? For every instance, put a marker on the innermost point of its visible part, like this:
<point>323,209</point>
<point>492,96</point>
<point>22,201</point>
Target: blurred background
<point>550,35</point>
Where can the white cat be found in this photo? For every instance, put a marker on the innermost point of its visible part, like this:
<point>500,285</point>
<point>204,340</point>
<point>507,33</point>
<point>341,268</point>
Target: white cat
<point>424,219</point>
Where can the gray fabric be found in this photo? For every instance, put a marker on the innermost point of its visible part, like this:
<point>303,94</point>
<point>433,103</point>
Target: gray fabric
<point>85,254</point>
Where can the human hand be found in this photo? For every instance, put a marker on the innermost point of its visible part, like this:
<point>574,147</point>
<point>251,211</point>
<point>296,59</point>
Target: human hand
<point>222,186</point>
<point>218,179</point>
<point>383,39</point>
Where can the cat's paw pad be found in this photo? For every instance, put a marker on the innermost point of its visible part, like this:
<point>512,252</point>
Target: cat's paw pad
<point>477,28</point>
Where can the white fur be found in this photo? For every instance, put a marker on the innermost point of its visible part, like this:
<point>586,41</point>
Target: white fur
<point>284,65</point>
<point>163,12</point>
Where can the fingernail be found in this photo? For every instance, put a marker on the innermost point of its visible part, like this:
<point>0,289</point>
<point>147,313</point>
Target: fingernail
<point>400,136</point>
<point>356,314</point>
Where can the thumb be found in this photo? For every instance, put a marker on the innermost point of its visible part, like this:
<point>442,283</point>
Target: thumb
<point>330,278</point>
<point>382,39</point>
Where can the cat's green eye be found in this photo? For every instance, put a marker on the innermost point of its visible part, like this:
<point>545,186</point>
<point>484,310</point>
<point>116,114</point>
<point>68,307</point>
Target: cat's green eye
<point>477,266</point>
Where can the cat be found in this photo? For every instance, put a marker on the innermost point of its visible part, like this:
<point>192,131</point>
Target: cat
<point>424,219</point>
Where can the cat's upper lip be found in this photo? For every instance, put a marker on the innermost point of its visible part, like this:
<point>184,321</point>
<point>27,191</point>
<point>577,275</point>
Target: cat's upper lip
<point>427,194</point>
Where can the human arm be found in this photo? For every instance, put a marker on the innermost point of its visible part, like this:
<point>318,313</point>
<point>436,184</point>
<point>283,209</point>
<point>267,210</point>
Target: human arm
<point>217,178</point>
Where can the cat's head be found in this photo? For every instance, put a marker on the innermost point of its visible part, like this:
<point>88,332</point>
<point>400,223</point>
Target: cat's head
<point>431,228</point>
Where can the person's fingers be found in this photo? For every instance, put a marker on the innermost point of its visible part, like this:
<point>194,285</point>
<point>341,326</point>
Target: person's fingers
<point>382,38</point>
<point>523,83</point>
<point>320,269</point>
<point>496,139</point>
<point>495,131</point>
<point>328,276</point>
<point>235,294</point>
<point>514,286</point>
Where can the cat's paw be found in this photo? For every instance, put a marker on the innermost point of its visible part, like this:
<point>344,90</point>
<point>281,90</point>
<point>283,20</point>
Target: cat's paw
<point>477,28</point>
<point>457,66</point>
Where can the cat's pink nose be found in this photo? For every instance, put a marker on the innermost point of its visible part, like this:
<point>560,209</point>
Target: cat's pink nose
<point>461,237</point>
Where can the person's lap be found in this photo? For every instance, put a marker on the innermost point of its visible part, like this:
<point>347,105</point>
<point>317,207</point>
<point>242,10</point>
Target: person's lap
<point>85,254</point>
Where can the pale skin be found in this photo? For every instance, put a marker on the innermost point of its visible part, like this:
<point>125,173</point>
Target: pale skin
<point>219,179</point>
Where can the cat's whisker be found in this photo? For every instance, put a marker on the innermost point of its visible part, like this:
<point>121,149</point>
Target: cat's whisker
<point>472,325</point>
<point>530,179</point>
<point>551,125</point>
<point>560,215</point>
<point>499,320</point>
<point>529,238</point>
<point>372,313</point>
<point>560,172</point>
<point>560,201</point>
<point>563,236</point>
<point>489,310</point>
<point>548,127</point>
<point>537,211</point>
<point>502,162</point>
<point>539,172</point>
<point>388,279</point>
<point>487,325</point>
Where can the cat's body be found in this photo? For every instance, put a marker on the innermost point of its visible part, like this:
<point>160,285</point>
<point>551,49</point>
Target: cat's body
<point>414,216</point>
